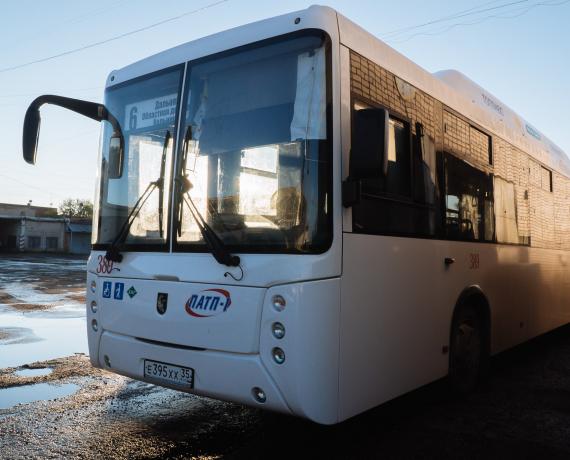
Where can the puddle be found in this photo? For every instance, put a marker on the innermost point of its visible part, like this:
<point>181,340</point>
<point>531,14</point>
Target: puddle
<point>29,331</point>
<point>30,393</point>
<point>34,372</point>
<point>16,335</point>
<point>27,293</point>
<point>27,298</point>
<point>54,337</point>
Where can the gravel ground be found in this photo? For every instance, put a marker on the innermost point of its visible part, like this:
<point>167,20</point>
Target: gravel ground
<point>521,411</point>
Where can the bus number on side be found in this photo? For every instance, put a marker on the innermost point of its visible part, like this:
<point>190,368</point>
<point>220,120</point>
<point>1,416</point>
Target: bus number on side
<point>105,266</point>
<point>473,261</point>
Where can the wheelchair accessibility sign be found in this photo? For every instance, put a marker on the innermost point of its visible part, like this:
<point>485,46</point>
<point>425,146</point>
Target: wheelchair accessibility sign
<point>117,291</point>
<point>107,288</point>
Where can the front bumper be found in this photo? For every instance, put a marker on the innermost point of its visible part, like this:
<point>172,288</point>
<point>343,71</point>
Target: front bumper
<point>219,375</point>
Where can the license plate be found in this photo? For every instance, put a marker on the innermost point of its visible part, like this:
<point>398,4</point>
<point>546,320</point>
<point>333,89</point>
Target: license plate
<point>169,373</point>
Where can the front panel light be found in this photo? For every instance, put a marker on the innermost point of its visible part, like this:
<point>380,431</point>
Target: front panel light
<point>94,307</point>
<point>258,394</point>
<point>278,330</point>
<point>278,302</point>
<point>278,355</point>
<point>93,286</point>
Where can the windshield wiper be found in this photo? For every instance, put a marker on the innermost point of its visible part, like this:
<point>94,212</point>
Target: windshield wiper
<point>213,241</point>
<point>187,139</point>
<point>113,252</point>
<point>161,189</point>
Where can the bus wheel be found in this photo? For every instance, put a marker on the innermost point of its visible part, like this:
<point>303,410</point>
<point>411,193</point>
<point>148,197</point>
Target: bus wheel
<point>466,357</point>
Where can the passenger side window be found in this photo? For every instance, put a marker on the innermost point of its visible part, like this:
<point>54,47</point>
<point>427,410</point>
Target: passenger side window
<point>397,181</point>
<point>402,201</point>
<point>469,202</point>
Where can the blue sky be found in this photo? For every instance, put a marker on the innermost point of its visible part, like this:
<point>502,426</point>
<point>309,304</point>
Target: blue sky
<point>520,53</point>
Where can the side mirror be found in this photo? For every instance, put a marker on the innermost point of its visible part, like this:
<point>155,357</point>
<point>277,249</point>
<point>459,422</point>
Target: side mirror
<point>31,134</point>
<point>93,110</point>
<point>116,155</point>
<point>370,136</point>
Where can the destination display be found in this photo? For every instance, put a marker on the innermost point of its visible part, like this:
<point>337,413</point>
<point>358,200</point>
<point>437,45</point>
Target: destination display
<point>157,112</point>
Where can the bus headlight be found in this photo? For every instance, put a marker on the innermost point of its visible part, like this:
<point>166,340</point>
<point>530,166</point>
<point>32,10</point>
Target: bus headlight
<point>93,286</point>
<point>94,325</point>
<point>278,355</point>
<point>258,394</point>
<point>94,307</point>
<point>278,330</point>
<point>278,302</point>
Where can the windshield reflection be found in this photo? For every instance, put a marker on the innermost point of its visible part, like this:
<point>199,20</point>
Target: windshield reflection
<point>146,111</point>
<point>259,155</point>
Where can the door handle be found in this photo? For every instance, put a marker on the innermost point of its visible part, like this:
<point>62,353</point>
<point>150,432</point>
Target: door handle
<point>448,261</point>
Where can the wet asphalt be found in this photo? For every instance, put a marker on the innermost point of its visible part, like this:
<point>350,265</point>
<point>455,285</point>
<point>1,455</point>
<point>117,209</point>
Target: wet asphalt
<point>521,411</point>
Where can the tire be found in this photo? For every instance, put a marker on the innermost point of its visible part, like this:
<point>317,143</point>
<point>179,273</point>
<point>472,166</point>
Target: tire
<point>467,355</point>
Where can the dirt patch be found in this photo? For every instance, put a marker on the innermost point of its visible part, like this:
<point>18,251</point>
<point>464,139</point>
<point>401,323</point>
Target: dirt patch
<point>7,299</point>
<point>75,295</point>
<point>63,289</point>
<point>79,297</point>
<point>63,368</point>
<point>24,307</point>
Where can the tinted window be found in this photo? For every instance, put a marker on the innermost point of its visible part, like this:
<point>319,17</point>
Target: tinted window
<point>469,202</point>
<point>398,180</point>
<point>402,202</point>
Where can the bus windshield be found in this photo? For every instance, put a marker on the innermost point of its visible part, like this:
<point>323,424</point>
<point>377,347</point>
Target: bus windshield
<point>146,111</point>
<point>256,151</point>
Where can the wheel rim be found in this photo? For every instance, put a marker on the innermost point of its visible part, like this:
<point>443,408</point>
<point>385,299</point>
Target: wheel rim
<point>466,357</point>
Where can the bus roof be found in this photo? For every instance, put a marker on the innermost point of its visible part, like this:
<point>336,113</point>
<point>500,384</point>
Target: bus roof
<point>459,93</point>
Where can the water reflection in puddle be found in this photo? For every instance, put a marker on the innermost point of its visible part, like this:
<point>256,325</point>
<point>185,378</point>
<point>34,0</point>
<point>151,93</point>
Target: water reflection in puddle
<point>59,337</point>
<point>29,393</point>
<point>42,316</point>
<point>34,372</point>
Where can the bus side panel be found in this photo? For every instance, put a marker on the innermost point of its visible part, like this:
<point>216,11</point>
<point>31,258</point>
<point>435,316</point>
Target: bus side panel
<point>393,320</point>
<point>308,379</point>
<point>550,296</point>
<point>398,298</point>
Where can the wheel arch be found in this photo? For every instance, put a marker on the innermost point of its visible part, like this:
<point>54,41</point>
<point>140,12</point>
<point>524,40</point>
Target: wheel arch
<point>474,296</point>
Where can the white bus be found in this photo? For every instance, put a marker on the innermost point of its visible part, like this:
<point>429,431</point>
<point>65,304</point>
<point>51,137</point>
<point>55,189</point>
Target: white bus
<point>292,215</point>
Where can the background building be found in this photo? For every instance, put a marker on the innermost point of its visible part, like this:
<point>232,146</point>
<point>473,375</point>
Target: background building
<point>39,229</point>
<point>78,236</point>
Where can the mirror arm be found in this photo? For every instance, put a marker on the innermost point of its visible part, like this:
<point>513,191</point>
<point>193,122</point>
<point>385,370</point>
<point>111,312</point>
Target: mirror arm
<point>93,110</point>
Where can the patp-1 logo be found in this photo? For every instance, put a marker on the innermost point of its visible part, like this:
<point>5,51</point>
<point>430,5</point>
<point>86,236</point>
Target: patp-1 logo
<point>210,302</point>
